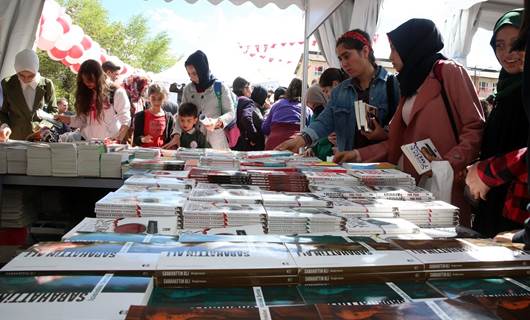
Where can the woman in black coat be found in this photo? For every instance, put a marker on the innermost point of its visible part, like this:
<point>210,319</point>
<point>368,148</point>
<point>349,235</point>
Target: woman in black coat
<point>249,118</point>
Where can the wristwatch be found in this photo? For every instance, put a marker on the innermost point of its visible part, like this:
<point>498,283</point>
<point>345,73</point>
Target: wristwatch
<point>307,139</point>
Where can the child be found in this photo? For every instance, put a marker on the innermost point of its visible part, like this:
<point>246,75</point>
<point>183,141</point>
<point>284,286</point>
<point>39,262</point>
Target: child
<point>190,137</point>
<point>152,127</point>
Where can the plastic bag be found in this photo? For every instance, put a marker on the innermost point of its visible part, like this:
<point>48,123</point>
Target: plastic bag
<point>441,182</point>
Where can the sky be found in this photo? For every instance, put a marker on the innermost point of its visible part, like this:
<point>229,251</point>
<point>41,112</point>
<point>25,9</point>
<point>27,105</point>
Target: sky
<point>221,30</point>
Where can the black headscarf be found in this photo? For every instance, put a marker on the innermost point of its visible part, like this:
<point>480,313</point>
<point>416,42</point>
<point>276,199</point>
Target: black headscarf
<point>418,42</point>
<point>200,62</point>
<point>259,95</point>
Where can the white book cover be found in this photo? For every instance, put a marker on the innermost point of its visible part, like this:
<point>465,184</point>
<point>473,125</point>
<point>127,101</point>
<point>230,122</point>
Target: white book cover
<point>359,257</point>
<point>364,112</point>
<point>168,183</point>
<point>442,254</point>
<point>227,258</point>
<point>150,225</point>
<point>83,297</point>
<point>80,257</point>
<point>285,199</point>
<point>228,193</point>
<point>380,226</point>
<point>200,207</point>
<point>421,154</point>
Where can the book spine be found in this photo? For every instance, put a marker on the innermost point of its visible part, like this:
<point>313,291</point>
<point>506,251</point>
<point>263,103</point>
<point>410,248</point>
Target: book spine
<point>170,282</point>
<point>361,278</point>
<point>360,270</point>
<point>226,273</point>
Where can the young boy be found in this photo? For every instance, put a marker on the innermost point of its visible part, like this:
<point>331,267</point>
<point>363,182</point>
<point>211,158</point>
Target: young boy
<point>191,137</point>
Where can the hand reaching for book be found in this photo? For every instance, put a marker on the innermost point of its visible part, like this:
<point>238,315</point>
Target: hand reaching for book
<point>347,156</point>
<point>377,133</point>
<point>477,188</point>
<point>174,143</point>
<point>292,145</point>
<point>5,132</point>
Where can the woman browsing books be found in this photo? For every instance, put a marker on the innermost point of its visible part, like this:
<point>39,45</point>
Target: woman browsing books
<point>426,79</point>
<point>368,82</point>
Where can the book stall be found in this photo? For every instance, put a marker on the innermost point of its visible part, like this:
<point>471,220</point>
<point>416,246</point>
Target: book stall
<point>207,234</point>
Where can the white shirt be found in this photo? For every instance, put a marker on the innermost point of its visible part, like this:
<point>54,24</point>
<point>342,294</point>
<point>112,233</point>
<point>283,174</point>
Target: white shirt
<point>29,90</point>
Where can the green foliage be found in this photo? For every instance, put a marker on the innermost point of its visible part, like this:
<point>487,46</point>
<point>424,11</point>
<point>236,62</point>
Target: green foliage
<point>130,42</point>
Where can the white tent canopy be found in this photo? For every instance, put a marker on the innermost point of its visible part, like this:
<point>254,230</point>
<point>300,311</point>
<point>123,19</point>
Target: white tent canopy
<point>468,16</point>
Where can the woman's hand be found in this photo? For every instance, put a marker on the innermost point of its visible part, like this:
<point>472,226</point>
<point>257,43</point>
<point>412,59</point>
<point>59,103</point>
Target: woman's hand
<point>293,144</point>
<point>5,132</point>
<point>309,153</point>
<point>477,188</point>
<point>377,134</point>
<point>219,124</point>
<point>347,156</point>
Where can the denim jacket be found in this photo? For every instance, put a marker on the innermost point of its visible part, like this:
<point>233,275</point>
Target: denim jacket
<point>339,114</point>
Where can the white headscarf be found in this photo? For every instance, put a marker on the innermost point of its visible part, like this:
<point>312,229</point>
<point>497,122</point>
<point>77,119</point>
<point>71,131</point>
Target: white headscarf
<point>27,60</point>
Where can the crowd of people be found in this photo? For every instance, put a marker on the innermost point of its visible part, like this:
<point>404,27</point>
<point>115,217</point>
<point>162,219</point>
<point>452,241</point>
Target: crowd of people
<point>429,97</point>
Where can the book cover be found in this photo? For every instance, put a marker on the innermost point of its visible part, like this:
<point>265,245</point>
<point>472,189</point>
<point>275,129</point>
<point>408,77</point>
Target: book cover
<point>405,311</point>
<point>421,154</point>
<point>236,297</point>
<point>129,225</point>
<point>488,287</point>
<point>72,297</point>
<point>150,313</point>
<point>505,308</point>
<point>228,259</point>
<point>364,113</point>
<point>208,192</point>
<point>85,257</point>
<point>353,257</point>
<point>351,294</point>
<point>442,254</point>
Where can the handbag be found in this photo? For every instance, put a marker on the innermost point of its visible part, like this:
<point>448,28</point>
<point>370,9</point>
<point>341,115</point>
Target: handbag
<point>231,130</point>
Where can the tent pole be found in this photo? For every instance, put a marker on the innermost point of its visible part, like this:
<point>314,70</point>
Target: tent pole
<point>305,63</point>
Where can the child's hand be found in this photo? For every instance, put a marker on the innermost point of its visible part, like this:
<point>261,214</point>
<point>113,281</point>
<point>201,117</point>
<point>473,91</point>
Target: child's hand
<point>175,142</point>
<point>147,139</point>
<point>219,124</point>
<point>332,138</point>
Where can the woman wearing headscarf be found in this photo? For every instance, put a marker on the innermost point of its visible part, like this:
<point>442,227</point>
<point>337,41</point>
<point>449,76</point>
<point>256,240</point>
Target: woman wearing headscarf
<point>216,108</point>
<point>424,77</point>
<point>506,129</point>
<point>316,99</point>
<point>249,118</point>
<point>23,94</point>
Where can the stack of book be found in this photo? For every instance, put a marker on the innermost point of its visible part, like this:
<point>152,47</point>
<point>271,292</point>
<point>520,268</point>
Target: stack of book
<point>373,192</point>
<point>340,263</point>
<point>422,213</point>
<point>90,229</point>
<point>111,164</point>
<point>3,158</point>
<point>146,153</point>
<point>286,199</point>
<point>259,163</point>
<point>52,258</point>
<point>18,210</point>
<point>265,154</point>
<point>212,264</point>
<point>219,162</point>
<point>210,192</point>
<point>467,258</point>
<point>279,180</point>
<point>167,174</point>
<point>17,160</point>
<point>228,177</point>
<point>199,174</point>
<point>383,177</point>
<point>88,159</point>
<point>64,159</point>
<point>137,203</point>
<point>318,178</point>
<point>189,153</point>
<point>376,226</point>
<point>66,296</point>
<point>157,164</point>
<point>162,182</point>
<point>302,220</point>
<point>39,160</point>
<point>197,215</point>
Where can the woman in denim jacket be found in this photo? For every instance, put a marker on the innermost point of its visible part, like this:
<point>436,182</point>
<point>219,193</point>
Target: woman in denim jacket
<point>367,82</point>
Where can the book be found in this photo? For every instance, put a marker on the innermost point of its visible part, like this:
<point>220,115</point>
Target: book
<point>59,296</point>
<point>352,258</point>
<point>351,294</point>
<point>486,287</point>
<point>234,259</point>
<point>286,199</point>
<point>421,154</point>
<point>148,313</point>
<point>47,258</point>
<point>364,113</point>
<point>209,192</point>
<point>222,298</point>
<point>134,225</point>
<point>196,214</point>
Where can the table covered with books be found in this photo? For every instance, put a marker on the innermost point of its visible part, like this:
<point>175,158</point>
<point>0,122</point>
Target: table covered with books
<point>197,233</point>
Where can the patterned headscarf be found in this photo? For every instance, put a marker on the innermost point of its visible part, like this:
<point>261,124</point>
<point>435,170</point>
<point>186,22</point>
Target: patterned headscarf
<point>135,87</point>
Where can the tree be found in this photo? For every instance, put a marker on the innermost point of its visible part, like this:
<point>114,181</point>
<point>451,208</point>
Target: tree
<point>130,42</point>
